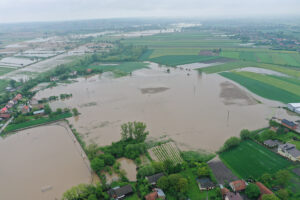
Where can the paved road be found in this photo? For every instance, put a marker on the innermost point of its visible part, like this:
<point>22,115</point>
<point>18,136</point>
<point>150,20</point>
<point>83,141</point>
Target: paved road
<point>3,127</point>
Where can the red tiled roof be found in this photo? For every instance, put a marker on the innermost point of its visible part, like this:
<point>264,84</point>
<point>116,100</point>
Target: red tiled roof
<point>224,191</point>
<point>3,110</point>
<point>263,189</point>
<point>238,185</point>
<point>151,196</point>
<point>4,115</point>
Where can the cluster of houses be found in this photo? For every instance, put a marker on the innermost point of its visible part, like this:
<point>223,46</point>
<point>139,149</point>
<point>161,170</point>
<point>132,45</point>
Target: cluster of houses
<point>118,192</point>
<point>4,112</point>
<point>287,150</point>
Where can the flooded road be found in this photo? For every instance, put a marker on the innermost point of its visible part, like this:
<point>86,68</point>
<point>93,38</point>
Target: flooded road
<point>41,163</point>
<point>197,111</point>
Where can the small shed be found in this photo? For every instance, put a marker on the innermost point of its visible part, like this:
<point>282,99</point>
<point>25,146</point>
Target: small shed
<point>271,143</point>
<point>154,178</point>
<point>205,184</point>
<point>120,192</point>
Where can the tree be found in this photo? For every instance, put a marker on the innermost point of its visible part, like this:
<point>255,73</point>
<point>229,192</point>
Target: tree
<point>231,143</point>
<point>182,185</point>
<point>76,192</point>
<point>108,159</point>
<point>58,111</point>
<point>12,83</point>
<point>163,183</point>
<point>203,171</point>
<point>20,119</point>
<point>146,170</point>
<point>282,177</point>
<point>92,197</point>
<point>283,194</point>
<point>158,166</point>
<point>245,134</point>
<point>269,197</point>
<point>75,111</point>
<point>266,179</point>
<point>134,130</point>
<point>97,164</point>
<point>252,191</point>
<point>47,109</point>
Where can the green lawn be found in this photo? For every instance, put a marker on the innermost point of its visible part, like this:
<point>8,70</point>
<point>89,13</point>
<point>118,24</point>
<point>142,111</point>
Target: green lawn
<point>132,197</point>
<point>43,120</point>
<point>121,68</point>
<point>266,86</point>
<point>3,85</point>
<point>288,137</point>
<point>4,70</point>
<point>174,60</point>
<point>252,159</point>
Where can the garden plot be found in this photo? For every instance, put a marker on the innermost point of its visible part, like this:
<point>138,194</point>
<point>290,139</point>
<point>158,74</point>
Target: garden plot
<point>167,151</point>
<point>16,62</point>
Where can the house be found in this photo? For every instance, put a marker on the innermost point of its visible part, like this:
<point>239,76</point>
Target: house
<point>120,192</point>
<point>25,109</point>
<point>271,143</point>
<point>290,151</point>
<point>4,116</point>
<point>238,185</point>
<point>39,112</point>
<point>263,189</point>
<point>293,106</point>
<point>205,184</point>
<point>18,97</point>
<point>157,193</point>
<point>154,178</point>
<point>289,124</point>
<point>233,196</point>
<point>4,110</point>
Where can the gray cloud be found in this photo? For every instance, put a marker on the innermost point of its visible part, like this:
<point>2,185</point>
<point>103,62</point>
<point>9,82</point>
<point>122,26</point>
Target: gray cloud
<point>49,10</point>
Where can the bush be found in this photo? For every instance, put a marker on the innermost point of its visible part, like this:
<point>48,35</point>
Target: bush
<point>245,134</point>
<point>252,191</point>
<point>97,164</point>
<point>230,143</point>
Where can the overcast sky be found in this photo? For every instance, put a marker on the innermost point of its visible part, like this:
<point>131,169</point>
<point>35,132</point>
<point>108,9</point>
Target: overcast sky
<point>54,10</point>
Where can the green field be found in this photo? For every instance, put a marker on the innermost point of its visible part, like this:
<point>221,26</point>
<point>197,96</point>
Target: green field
<point>167,151</point>
<point>286,58</point>
<point>120,69</point>
<point>173,60</point>
<point>4,70</point>
<point>266,86</point>
<point>252,159</point>
<point>43,120</point>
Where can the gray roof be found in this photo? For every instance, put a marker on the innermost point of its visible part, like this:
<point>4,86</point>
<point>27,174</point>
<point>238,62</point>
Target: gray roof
<point>233,196</point>
<point>154,178</point>
<point>271,143</point>
<point>290,149</point>
<point>287,146</point>
<point>120,191</point>
<point>294,152</point>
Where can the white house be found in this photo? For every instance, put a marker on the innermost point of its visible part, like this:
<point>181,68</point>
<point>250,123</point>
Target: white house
<point>295,107</point>
<point>290,151</point>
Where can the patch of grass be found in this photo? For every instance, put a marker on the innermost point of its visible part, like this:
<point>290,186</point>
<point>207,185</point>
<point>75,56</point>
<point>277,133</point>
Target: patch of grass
<point>263,88</point>
<point>43,120</point>
<point>146,55</point>
<point>4,70</point>
<point>132,197</point>
<point>3,84</point>
<point>173,60</point>
<point>225,67</point>
<point>252,159</point>
<point>122,68</point>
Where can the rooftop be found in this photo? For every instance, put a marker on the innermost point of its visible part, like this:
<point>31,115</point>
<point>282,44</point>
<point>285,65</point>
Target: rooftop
<point>272,143</point>
<point>120,191</point>
<point>238,185</point>
<point>205,182</point>
<point>233,196</point>
<point>289,123</point>
<point>154,178</point>
<point>295,105</point>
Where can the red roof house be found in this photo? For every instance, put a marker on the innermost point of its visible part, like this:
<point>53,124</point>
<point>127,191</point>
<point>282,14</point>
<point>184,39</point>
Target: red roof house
<point>263,189</point>
<point>4,116</point>
<point>238,186</point>
<point>4,110</point>
<point>151,196</point>
<point>25,109</point>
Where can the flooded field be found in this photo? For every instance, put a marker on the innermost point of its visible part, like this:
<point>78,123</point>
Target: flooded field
<point>41,163</point>
<point>129,167</point>
<point>197,111</point>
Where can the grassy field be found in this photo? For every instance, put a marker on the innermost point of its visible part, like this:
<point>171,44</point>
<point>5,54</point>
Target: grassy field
<point>43,120</point>
<point>167,151</point>
<point>266,86</point>
<point>4,70</point>
<point>3,85</point>
<point>120,69</point>
<point>252,159</point>
<point>287,58</point>
<point>173,60</point>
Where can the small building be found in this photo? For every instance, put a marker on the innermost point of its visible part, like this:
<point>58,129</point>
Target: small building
<point>154,178</point>
<point>289,124</point>
<point>293,106</point>
<point>25,109</point>
<point>5,116</point>
<point>289,151</point>
<point>263,189</point>
<point>88,70</point>
<point>238,185</point>
<point>18,97</point>
<point>271,143</point>
<point>233,196</point>
<point>205,184</point>
<point>120,192</point>
<point>4,110</point>
<point>39,112</point>
<point>156,194</point>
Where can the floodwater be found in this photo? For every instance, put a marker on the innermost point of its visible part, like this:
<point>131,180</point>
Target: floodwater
<point>129,167</point>
<point>197,111</point>
<point>262,71</point>
<point>41,163</point>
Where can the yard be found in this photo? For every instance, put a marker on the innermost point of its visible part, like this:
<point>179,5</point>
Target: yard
<point>252,159</point>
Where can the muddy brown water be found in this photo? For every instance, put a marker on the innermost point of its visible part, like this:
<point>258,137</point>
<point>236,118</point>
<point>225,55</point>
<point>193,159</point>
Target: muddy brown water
<point>41,163</point>
<point>197,111</point>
